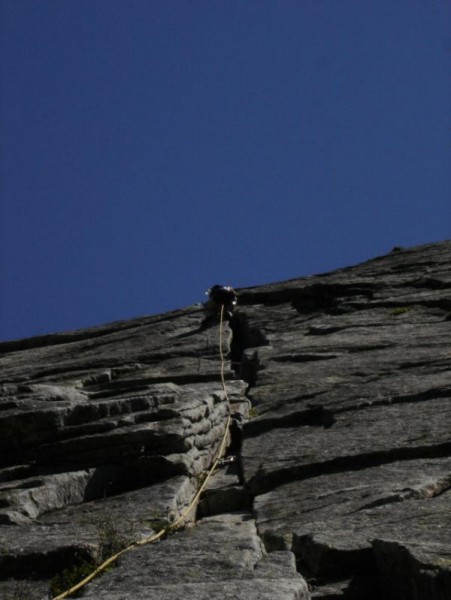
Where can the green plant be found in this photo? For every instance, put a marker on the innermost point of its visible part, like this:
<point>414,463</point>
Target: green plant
<point>400,310</point>
<point>252,412</point>
<point>201,477</point>
<point>110,540</point>
<point>158,524</point>
<point>70,577</point>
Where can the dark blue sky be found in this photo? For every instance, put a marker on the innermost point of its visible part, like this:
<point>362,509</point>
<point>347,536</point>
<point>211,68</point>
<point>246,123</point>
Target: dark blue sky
<point>152,148</point>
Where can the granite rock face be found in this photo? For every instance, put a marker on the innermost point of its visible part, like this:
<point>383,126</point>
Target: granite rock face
<point>338,481</point>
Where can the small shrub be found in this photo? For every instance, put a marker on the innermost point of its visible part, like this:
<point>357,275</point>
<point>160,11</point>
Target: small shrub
<point>71,576</point>
<point>110,541</point>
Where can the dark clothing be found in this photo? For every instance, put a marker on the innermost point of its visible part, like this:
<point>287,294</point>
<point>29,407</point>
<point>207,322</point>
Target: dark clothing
<point>221,295</point>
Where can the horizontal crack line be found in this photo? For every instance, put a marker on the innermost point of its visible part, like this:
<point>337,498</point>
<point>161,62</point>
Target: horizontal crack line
<point>265,482</point>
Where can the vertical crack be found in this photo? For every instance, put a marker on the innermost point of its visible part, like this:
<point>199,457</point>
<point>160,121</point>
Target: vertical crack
<point>245,336</point>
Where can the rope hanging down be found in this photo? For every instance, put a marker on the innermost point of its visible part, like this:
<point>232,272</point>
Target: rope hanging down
<point>179,522</point>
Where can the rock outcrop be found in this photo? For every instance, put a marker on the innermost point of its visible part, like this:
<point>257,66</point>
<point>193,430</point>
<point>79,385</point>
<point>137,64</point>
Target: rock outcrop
<point>338,481</point>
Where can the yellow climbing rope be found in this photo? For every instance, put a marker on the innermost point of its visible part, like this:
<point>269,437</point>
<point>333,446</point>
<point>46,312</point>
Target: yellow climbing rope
<point>178,523</point>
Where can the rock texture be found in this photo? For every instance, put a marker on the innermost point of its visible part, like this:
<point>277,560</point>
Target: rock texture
<point>339,478</point>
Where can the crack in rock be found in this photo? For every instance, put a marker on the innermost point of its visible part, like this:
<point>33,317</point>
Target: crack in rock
<point>339,385</point>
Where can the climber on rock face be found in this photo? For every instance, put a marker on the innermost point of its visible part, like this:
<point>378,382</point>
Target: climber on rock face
<point>221,295</point>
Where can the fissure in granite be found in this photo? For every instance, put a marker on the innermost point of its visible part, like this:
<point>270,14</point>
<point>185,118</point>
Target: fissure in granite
<point>343,469</point>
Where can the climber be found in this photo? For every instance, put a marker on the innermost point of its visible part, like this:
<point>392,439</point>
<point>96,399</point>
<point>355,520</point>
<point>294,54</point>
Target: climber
<point>221,295</point>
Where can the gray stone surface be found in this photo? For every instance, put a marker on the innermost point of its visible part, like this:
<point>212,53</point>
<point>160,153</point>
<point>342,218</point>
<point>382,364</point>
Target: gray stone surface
<point>220,557</point>
<point>348,451</point>
<point>80,532</point>
<point>357,438</point>
<point>340,388</point>
<point>344,498</point>
<point>164,430</point>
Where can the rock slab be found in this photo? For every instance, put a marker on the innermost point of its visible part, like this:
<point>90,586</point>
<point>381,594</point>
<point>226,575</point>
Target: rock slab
<point>339,466</point>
